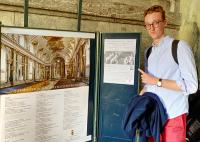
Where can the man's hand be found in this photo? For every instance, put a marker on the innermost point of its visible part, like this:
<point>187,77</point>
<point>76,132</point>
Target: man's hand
<point>147,78</point>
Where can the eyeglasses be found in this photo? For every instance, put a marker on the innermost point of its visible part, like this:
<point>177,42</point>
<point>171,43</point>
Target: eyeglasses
<point>155,24</point>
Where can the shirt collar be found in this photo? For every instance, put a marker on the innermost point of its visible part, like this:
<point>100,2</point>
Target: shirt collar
<point>161,41</point>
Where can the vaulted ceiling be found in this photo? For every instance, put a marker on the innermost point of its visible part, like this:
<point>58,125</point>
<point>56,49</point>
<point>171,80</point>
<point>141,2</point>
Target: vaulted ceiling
<point>47,48</point>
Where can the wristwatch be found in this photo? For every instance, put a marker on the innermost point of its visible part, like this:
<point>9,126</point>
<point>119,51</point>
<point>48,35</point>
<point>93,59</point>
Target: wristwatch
<point>159,83</point>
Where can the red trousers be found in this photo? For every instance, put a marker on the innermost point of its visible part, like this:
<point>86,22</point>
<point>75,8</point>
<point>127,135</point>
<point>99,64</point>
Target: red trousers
<point>174,131</point>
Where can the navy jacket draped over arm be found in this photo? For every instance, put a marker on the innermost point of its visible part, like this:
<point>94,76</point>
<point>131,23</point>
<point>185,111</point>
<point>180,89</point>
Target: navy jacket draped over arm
<point>147,114</point>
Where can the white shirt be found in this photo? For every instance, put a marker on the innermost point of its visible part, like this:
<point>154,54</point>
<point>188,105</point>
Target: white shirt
<point>161,64</point>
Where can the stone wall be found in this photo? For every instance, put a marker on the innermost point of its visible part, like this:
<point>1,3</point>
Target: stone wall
<point>97,15</point>
<point>102,16</point>
<point>190,27</point>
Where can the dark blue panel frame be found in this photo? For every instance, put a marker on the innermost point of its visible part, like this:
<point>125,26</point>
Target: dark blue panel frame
<point>113,98</point>
<point>92,87</point>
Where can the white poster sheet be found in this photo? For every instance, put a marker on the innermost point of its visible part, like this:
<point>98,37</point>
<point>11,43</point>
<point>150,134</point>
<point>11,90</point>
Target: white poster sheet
<point>45,116</point>
<point>119,61</point>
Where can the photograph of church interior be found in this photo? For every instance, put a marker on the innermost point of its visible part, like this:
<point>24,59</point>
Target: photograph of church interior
<point>33,63</point>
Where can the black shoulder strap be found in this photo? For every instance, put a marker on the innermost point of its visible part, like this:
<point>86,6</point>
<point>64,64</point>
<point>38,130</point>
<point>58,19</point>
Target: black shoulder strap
<point>148,52</point>
<point>174,50</point>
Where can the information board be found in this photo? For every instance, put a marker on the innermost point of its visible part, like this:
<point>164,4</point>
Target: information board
<point>47,92</point>
<point>119,82</point>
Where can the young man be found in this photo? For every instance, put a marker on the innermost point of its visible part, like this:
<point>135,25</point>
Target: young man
<point>172,82</point>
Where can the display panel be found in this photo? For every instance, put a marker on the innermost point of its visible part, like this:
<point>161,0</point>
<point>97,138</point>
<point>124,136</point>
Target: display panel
<point>46,85</point>
<point>118,82</point>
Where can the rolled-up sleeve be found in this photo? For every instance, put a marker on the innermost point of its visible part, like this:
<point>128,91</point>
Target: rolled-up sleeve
<point>188,81</point>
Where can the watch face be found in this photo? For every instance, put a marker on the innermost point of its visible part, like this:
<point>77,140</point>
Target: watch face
<point>159,83</point>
